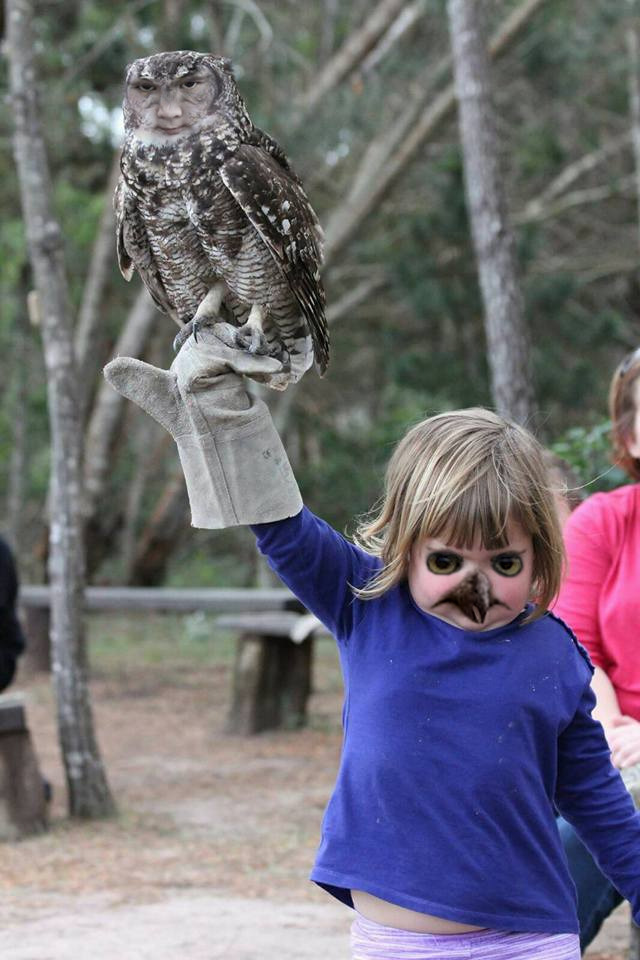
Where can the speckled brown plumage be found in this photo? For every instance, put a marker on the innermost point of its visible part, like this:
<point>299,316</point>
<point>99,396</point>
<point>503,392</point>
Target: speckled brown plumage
<point>208,202</point>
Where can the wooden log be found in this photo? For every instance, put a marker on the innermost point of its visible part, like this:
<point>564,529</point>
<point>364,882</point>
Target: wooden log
<point>177,600</point>
<point>23,807</point>
<point>35,600</point>
<point>272,674</point>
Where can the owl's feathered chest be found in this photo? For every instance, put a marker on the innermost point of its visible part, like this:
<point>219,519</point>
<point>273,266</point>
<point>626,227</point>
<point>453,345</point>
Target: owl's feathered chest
<point>160,174</point>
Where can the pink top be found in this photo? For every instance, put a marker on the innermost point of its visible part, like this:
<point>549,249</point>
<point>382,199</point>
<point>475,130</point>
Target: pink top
<point>600,597</point>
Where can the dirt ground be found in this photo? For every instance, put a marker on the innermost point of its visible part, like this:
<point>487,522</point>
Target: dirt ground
<point>210,852</point>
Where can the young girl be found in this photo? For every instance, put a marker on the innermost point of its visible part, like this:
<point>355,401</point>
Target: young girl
<point>467,708</point>
<point>467,715</point>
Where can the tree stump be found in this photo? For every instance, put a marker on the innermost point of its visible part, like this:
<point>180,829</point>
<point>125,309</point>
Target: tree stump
<point>272,674</point>
<point>37,656</point>
<point>23,807</point>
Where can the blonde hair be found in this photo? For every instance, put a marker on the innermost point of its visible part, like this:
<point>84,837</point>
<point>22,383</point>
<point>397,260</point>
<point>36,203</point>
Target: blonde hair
<point>622,410</point>
<point>461,475</point>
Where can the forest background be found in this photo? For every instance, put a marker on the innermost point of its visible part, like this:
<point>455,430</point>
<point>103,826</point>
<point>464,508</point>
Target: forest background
<point>402,289</point>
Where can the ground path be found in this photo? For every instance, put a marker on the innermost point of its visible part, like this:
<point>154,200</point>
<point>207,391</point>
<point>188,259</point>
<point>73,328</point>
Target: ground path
<point>210,854</point>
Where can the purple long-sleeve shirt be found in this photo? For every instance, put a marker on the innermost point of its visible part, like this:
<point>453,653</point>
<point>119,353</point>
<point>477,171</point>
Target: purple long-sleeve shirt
<point>458,748</point>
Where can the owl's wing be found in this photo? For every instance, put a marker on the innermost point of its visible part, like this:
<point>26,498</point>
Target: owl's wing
<point>134,250</point>
<point>276,205</point>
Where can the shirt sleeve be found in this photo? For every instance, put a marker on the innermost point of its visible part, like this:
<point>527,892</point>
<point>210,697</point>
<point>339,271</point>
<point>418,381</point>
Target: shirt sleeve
<point>589,557</point>
<point>318,565</point>
<point>591,795</point>
<point>11,637</point>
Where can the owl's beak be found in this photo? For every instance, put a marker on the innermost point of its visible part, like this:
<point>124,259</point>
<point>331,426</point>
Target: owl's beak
<point>472,596</point>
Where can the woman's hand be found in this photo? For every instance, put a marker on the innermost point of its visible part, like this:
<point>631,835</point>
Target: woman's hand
<point>623,735</point>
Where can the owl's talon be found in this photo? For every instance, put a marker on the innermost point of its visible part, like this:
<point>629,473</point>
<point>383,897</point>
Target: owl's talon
<point>181,337</point>
<point>192,328</point>
<point>252,340</point>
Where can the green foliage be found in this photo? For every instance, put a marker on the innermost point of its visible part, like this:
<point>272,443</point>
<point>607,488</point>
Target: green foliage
<point>587,450</point>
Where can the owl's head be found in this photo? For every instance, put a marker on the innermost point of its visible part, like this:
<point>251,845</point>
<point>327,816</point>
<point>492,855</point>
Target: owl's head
<point>171,95</point>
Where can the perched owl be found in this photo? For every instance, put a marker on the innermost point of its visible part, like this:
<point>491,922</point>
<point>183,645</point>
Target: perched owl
<point>212,216</point>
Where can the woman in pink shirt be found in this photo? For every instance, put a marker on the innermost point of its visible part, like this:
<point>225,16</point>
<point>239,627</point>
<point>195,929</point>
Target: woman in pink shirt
<point>600,600</point>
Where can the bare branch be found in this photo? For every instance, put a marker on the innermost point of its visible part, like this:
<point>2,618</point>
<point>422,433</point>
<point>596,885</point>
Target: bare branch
<point>571,173</point>
<point>534,211</point>
<point>402,23</point>
<point>351,54</point>
<point>104,41</point>
<point>390,154</point>
<point>251,8</point>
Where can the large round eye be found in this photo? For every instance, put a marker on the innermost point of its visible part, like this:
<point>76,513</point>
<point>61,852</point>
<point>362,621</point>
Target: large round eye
<point>507,564</point>
<point>443,563</point>
<point>145,86</point>
<point>190,84</point>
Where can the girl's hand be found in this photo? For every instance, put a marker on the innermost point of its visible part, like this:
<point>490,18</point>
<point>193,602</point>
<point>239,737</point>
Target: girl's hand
<point>623,735</point>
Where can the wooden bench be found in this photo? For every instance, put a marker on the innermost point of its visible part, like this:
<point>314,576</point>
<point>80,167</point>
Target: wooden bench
<point>272,671</point>
<point>34,602</point>
<point>23,806</point>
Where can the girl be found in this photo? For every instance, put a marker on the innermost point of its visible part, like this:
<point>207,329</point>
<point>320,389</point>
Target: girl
<point>467,708</point>
<point>467,715</point>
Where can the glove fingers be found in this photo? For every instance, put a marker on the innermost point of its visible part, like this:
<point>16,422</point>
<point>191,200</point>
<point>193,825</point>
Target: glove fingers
<point>150,387</point>
<point>198,363</point>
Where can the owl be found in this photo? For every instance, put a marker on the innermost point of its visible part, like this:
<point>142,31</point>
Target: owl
<point>213,218</point>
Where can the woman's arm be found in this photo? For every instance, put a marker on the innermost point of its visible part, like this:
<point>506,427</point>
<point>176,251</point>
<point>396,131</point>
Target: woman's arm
<point>622,732</point>
<point>606,709</point>
<point>592,797</point>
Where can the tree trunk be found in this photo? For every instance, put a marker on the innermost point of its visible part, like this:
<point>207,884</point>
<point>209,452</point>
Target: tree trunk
<point>633,50</point>
<point>89,794</point>
<point>158,540</point>
<point>507,341</point>
<point>17,482</point>
<point>89,340</point>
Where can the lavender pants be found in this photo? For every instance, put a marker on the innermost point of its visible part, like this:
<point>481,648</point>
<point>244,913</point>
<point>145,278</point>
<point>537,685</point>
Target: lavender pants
<point>373,941</point>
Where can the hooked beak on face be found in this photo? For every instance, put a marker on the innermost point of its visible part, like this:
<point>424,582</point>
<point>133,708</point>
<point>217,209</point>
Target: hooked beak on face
<point>472,596</point>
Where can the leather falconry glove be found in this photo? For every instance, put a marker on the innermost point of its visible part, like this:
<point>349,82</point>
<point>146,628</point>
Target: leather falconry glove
<point>234,463</point>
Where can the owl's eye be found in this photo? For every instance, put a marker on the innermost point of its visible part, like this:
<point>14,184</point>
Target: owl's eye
<point>507,564</point>
<point>190,84</point>
<point>443,563</point>
<point>145,86</point>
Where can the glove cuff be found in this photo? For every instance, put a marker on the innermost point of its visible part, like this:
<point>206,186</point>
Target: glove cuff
<point>238,475</point>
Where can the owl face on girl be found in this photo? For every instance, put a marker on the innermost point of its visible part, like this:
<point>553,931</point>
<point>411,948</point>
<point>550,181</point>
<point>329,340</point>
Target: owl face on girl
<point>473,587</point>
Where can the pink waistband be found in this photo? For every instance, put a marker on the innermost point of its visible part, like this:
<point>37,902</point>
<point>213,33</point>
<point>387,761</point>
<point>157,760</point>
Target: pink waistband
<point>373,941</point>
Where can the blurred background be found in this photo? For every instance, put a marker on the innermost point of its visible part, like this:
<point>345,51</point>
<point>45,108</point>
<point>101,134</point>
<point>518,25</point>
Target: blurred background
<point>401,281</point>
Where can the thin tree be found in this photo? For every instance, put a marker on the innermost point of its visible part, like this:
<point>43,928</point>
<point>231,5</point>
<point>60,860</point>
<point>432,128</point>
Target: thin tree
<point>507,341</point>
<point>88,791</point>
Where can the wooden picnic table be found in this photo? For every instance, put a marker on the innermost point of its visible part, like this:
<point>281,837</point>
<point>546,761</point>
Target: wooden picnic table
<point>272,671</point>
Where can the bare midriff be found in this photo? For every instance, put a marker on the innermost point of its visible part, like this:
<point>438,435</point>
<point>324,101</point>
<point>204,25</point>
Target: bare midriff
<point>391,915</point>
